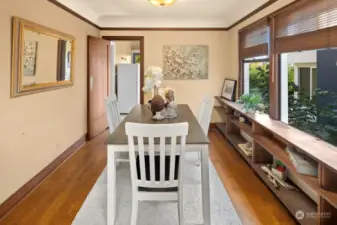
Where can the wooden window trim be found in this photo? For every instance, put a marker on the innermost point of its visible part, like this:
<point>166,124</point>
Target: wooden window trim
<point>251,51</point>
<point>274,76</point>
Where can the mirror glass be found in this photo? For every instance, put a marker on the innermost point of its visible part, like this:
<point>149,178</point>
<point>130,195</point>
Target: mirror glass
<point>45,59</point>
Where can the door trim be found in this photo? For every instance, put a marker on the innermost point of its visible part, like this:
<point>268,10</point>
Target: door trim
<point>141,50</point>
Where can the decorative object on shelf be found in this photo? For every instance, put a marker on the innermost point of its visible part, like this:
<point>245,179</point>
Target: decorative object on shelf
<point>162,3</point>
<point>279,170</point>
<point>247,148</point>
<point>228,89</point>
<point>303,164</point>
<point>171,107</point>
<point>237,114</point>
<point>275,179</point>
<point>250,102</point>
<point>260,107</point>
<point>242,119</point>
<point>153,76</point>
<point>185,62</point>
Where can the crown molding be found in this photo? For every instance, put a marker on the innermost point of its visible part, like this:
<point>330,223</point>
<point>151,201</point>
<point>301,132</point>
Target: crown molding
<point>265,5</point>
<point>58,4</point>
<point>166,28</point>
<point>259,9</point>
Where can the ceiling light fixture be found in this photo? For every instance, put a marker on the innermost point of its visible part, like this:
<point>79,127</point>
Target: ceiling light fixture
<point>162,2</point>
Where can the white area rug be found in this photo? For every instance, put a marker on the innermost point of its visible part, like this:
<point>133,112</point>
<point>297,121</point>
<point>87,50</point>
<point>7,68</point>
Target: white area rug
<point>94,209</point>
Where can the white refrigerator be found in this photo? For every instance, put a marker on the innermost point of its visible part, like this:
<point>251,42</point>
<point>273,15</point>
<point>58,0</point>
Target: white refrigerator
<point>128,86</point>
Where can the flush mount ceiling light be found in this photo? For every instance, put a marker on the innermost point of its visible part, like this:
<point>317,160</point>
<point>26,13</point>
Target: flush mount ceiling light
<point>162,2</point>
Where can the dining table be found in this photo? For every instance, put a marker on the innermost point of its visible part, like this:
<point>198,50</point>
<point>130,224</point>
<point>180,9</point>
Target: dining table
<point>196,141</point>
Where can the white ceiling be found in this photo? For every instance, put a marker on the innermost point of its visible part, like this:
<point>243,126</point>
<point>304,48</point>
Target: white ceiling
<point>184,13</point>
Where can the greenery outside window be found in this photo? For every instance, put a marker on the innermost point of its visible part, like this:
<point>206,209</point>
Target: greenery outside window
<point>256,78</point>
<point>309,93</point>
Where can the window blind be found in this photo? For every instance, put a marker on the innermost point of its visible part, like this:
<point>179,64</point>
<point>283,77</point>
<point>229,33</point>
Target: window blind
<point>308,24</point>
<point>254,40</point>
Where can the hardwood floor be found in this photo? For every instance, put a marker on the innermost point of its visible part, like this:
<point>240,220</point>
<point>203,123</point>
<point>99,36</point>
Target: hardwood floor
<point>57,200</point>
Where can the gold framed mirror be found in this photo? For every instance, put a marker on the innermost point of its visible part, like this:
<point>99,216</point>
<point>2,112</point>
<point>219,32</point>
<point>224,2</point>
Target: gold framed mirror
<point>42,58</point>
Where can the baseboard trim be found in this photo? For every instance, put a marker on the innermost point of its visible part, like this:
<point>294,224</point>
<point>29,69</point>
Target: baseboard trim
<point>22,192</point>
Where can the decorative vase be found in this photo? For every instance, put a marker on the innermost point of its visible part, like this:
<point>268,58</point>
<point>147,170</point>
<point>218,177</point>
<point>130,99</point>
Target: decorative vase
<point>157,104</point>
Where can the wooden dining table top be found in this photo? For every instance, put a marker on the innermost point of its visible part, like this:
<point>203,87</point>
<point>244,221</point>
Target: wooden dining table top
<point>142,114</point>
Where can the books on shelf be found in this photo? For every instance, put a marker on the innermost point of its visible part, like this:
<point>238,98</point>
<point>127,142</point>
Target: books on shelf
<point>303,164</point>
<point>246,148</point>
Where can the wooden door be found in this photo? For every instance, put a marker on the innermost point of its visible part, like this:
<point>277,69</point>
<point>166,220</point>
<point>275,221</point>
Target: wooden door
<point>98,84</point>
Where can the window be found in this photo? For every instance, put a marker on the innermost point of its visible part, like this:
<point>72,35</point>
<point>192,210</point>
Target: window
<point>310,102</point>
<point>305,41</point>
<point>256,78</point>
<point>254,48</point>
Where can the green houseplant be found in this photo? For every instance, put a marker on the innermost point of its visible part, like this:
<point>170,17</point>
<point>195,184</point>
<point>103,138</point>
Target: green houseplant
<point>251,102</point>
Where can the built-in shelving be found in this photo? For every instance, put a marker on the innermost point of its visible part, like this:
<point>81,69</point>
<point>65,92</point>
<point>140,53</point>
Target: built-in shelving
<point>270,137</point>
<point>294,200</point>
<point>243,126</point>
<point>221,127</point>
<point>235,140</point>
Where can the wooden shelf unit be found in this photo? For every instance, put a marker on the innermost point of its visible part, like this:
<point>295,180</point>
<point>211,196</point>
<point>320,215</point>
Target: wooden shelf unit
<point>235,140</point>
<point>270,138</point>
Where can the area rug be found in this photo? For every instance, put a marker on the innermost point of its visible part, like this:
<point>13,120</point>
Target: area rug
<point>94,209</point>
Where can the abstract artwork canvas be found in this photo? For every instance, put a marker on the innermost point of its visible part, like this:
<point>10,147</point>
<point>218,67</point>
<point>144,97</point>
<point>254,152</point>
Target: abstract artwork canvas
<point>29,58</point>
<point>185,62</point>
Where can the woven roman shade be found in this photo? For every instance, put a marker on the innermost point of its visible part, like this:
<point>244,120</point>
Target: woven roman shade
<point>254,40</point>
<point>308,24</point>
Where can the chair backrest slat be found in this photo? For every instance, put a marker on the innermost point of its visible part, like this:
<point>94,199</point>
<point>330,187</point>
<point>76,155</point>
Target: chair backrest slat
<point>152,161</point>
<point>162,159</point>
<point>132,156</point>
<point>147,157</point>
<point>173,157</point>
<point>112,111</point>
<point>141,151</point>
<point>205,113</point>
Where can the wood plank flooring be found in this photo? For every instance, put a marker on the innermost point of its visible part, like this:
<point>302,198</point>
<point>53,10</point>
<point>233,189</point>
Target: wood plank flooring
<point>57,200</point>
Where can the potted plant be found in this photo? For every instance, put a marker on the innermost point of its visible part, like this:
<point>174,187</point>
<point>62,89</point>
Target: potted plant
<point>251,102</point>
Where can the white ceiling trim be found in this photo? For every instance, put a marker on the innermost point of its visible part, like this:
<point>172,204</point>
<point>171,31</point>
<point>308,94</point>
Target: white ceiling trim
<point>183,14</point>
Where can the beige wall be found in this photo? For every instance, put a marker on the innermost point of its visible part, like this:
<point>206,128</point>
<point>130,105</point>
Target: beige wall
<point>35,129</point>
<point>187,91</point>
<point>233,35</point>
<point>124,49</point>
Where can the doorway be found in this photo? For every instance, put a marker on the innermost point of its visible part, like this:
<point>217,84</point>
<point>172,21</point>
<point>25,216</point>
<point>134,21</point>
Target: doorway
<point>100,84</point>
<point>136,56</point>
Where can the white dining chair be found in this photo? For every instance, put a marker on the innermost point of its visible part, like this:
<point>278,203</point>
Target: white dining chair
<point>204,117</point>
<point>157,168</point>
<point>114,119</point>
<point>112,112</point>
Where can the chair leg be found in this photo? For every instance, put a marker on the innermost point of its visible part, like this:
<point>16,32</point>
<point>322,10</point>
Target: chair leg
<point>181,209</point>
<point>134,213</point>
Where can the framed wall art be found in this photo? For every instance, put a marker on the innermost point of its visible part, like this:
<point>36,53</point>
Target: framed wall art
<point>228,89</point>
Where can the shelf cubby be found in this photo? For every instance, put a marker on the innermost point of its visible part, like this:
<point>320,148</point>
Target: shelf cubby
<point>293,200</point>
<point>235,140</point>
<point>246,127</point>
<point>327,213</point>
<point>260,155</point>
